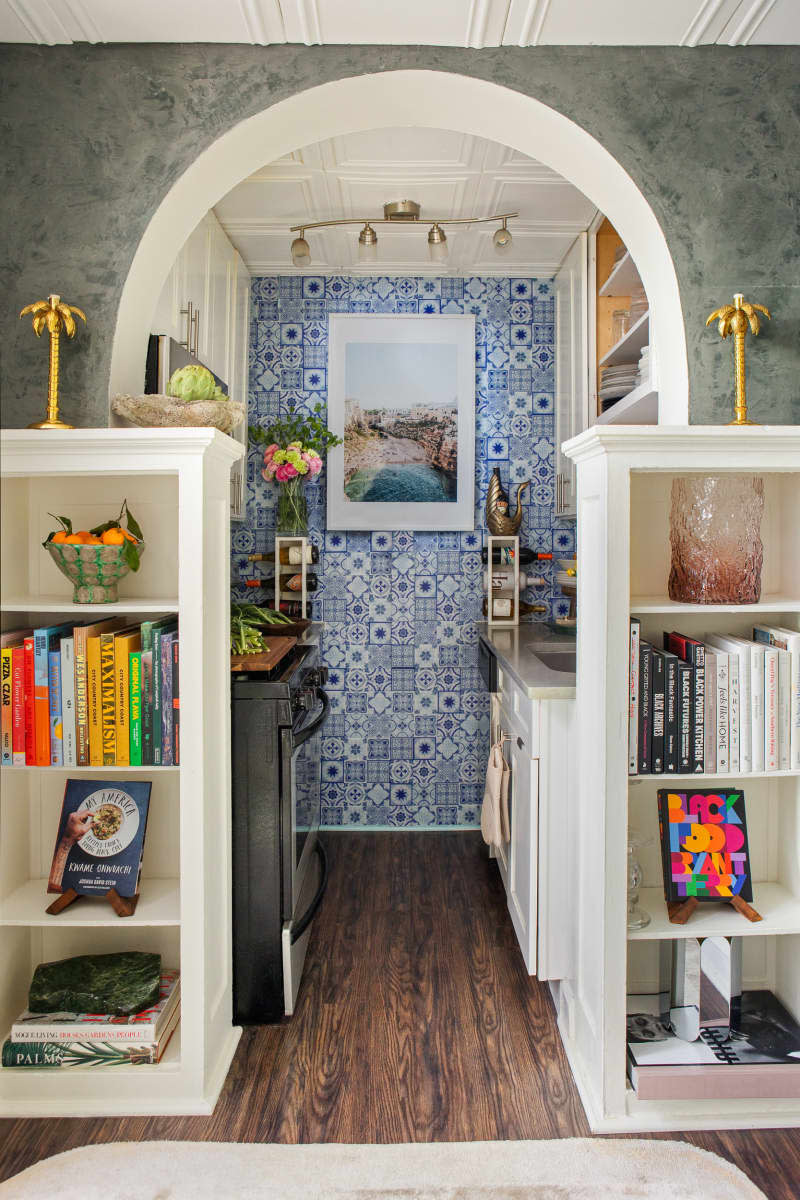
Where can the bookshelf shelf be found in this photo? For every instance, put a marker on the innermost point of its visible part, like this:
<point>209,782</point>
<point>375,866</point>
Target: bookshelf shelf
<point>63,604</point>
<point>703,780</point>
<point>662,604</point>
<point>779,908</point>
<point>159,904</point>
<point>177,482</point>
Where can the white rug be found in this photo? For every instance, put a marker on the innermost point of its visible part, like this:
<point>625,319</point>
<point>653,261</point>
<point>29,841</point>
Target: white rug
<point>568,1169</point>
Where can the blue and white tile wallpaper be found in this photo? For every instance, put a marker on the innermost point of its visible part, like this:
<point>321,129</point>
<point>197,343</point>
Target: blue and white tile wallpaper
<point>407,739</point>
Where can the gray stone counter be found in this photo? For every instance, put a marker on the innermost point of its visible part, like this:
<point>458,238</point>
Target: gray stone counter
<point>538,658</point>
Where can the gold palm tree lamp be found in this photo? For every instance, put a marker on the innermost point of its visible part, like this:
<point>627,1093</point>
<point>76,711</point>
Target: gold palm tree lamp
<point>734,318</point>
<point>57,317</point>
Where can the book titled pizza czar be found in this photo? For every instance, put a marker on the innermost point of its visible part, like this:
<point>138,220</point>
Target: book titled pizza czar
<point>704,844</point>
<point>100,837</point>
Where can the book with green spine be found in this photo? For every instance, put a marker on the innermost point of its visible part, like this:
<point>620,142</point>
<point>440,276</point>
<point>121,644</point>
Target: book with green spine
<point>136,708</point>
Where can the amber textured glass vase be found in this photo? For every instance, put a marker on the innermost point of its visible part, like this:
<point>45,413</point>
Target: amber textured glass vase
<point>715,534</point>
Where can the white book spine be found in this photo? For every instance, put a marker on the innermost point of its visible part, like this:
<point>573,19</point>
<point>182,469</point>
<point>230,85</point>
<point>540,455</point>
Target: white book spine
<point>710,723</point>
<point>793,646</point>
<point>723,713</point>
<point>757,709</point>
<point>771,748</point>
<point>745,711</point>
<point>633,705</point>
<point>68,700</point>
<point>734,746</point>
<point>784,709</point>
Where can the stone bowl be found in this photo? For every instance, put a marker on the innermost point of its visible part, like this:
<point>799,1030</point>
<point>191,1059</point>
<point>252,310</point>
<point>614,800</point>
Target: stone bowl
<point>164,411</point>
<point>94,571</point>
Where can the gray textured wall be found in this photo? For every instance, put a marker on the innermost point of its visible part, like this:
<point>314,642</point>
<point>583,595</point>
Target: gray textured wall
<point>93,137</point>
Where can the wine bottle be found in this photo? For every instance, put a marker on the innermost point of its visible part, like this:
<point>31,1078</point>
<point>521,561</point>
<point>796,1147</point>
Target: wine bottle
<point>524,607</point>
<point>289,556</point>
<point>294,609</point>
<point>505,556</point>
<point>294,583</point>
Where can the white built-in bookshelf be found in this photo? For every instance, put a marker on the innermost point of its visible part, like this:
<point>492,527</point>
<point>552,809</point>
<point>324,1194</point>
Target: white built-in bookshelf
<point>624,483</point>
<point>176,482</point>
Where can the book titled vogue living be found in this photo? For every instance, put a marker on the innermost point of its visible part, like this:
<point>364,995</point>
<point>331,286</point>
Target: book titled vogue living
<point>89,1052</point>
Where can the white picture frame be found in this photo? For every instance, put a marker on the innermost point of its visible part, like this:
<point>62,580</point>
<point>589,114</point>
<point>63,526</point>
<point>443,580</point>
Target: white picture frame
<point>386,360</point>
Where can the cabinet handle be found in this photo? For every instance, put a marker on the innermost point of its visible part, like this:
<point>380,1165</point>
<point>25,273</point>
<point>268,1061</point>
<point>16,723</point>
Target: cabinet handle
<point>520,743</point>
<point>187,312</point>
<point>559,491</point>
<point>196,323</point>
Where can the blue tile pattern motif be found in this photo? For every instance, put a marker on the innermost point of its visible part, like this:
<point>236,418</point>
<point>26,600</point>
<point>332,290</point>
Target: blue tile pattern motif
<point>407,738</point>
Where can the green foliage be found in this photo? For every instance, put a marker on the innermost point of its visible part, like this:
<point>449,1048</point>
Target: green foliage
<point>130,551</point>
<point>247,623</point>
<point>310,430</point>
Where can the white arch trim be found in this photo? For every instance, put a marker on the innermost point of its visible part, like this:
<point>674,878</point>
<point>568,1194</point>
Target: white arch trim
<point>408,98</point>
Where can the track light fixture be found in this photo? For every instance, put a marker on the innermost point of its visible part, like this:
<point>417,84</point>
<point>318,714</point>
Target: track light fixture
<point>400,212</point>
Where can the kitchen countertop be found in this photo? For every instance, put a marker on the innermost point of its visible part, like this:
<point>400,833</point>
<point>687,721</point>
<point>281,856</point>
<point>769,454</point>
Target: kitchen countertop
<point>517,648</point>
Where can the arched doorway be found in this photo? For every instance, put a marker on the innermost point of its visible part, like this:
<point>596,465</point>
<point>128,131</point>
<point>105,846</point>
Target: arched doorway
<point>409,98</point>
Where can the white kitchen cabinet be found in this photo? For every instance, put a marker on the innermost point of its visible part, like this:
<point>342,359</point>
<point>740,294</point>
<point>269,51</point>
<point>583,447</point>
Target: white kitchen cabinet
<point>539,741</point>
<point>572,365</point>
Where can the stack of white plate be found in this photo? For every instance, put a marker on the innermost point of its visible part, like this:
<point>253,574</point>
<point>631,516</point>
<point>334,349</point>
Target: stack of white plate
<point>643,375</point>
<point>617,381</point>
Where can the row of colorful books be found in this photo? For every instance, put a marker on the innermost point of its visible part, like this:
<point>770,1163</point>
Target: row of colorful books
<point>103,694</point>
<point>724,705</point>
<point>65,1039</point>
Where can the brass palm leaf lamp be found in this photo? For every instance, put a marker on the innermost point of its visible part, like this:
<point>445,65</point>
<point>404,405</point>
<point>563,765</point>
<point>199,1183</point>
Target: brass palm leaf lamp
<point>56,316</point>
<point>734,319</point>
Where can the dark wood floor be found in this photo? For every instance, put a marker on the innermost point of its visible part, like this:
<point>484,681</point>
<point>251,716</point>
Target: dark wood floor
<point>416,1022</point>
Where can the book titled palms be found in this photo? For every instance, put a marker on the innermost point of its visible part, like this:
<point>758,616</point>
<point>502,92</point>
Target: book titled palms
<point>704,844</point>
<point>100,837</point>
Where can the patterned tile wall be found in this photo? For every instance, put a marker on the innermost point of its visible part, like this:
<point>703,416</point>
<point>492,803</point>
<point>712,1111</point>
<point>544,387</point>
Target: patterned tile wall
<point>407,739</point>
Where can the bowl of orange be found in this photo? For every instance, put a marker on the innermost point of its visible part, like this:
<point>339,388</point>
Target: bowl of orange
<point>94,560</point>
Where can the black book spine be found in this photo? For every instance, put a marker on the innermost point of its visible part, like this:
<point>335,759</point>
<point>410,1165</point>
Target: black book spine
<point>176,704</point>
<point>645,708</point>
<point>663,833</point>
<point>697,657</point>
<point>657,754</point>
<point>671,704</point>
<point>685,694</point>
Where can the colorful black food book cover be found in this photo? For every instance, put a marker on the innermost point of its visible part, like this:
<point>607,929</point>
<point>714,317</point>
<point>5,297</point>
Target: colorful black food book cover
<point>704,844</point>
<point>100,837</point>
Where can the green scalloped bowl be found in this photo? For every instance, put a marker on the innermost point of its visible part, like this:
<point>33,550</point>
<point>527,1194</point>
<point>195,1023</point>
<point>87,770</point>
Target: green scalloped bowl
<point>94,571</point>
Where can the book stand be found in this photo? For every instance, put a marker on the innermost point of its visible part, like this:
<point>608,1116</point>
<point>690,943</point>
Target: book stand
<point>123,906</point>
<point>680,911</point>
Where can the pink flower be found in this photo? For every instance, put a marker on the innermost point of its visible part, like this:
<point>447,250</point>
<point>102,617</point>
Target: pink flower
<point>314,464</point>
<point>268,472</point>
<point>270,450</point>
<point>284,472</point>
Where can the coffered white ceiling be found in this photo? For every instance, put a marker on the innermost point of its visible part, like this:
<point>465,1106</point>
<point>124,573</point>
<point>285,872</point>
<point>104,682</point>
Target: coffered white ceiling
<point>473,23</point>
<point>449,174</point>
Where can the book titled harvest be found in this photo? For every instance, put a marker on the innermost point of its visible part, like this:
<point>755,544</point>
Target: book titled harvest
<point>100,837</point>
<point>136,1028</point>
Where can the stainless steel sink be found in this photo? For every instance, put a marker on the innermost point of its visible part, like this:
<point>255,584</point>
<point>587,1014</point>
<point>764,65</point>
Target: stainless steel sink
<point>557,660</point>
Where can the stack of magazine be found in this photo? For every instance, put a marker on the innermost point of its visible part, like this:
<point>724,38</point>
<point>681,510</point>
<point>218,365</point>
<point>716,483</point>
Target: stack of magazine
<point>722,705</point>
<point>65,1039</point>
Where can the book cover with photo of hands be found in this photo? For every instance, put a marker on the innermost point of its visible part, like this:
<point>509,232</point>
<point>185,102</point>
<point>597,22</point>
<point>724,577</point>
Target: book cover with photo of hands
<point>100,837</point>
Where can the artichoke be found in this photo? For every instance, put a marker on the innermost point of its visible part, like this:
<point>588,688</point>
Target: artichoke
<point>191,384</point>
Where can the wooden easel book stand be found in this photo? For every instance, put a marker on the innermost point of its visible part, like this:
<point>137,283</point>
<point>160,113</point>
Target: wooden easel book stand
<point>680,911</point>
<point>123,906</point>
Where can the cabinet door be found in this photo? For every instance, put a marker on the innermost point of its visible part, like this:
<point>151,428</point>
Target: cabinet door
<point>523,850</point>
<point>572,366</point>
<point>238,373</point>
<point>167,318</point>
<point>215,342</point>
<point>194,261</point>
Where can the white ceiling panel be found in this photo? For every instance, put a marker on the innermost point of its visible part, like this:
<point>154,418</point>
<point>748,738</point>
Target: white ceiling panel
<point>440,149</point>
<point>266,200</point>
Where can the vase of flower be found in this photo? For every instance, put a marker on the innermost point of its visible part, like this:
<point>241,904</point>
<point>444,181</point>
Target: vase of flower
<point>292,508</point>
<point>294,446</point>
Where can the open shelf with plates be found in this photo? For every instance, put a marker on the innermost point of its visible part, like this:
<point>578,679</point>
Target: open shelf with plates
<point>624,491</point>
<point>177,483</point>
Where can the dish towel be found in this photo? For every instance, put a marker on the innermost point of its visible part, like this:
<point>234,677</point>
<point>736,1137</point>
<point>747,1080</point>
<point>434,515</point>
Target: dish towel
<point>494,814</point>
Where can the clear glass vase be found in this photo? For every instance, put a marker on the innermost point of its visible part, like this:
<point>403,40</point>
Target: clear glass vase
<point>637,917</point>
<point>715,534</point>
<point>292,508</point>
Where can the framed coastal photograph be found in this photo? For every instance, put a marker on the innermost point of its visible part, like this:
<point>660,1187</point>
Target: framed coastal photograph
<point>401,395</point>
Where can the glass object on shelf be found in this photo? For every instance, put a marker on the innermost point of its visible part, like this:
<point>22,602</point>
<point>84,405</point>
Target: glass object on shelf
<point>620,324</point>
<point>715,535</point>
<point>292,508</point>
<point>637,917</point>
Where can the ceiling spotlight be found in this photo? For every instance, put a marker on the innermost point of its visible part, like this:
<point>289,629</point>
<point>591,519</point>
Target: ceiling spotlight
<point>502,238</point>
<point>437,243</point>
<point>301,252</point>
<point>367,244</point>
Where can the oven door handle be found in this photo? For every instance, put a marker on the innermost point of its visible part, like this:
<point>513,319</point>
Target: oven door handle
<point>299,928</point>
<point>305,734</point>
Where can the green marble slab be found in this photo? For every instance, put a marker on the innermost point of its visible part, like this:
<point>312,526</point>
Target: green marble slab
<point>97,983</point>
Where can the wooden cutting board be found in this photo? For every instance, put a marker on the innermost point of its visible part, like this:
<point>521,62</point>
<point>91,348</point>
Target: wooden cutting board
<point>277,648</point>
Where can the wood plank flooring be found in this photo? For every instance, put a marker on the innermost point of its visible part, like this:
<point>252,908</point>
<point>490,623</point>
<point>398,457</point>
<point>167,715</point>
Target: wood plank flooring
<point>416,1022</point>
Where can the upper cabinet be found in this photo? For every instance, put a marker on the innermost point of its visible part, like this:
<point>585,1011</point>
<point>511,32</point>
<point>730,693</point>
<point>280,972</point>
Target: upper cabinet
<point>572,366</point>
<point>205,305</point>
